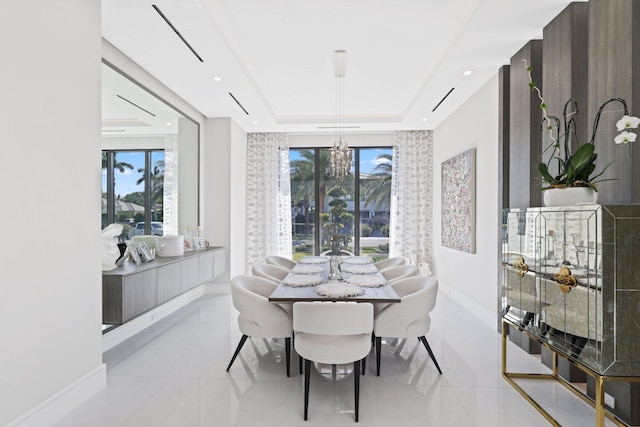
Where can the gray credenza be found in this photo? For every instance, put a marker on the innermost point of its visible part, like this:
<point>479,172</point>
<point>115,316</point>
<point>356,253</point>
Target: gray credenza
<point>131,290</point>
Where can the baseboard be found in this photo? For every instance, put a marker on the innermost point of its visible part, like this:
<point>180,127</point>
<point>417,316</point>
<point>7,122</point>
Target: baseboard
<point>132,327</point>
<point>60,404</point>
<point>470,305</point>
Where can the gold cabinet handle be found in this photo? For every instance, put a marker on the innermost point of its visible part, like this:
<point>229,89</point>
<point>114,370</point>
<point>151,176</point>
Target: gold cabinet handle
<point>565,280</point>
<point>520,266</point>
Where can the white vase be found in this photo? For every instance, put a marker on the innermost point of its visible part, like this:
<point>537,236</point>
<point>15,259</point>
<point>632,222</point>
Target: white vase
<point>569,196</point>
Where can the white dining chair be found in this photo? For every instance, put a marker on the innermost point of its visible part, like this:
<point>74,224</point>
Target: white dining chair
<point>259,318</point>
<point>332,333</point>
<point>270,272</point>
<point>398,272</point>
<point>342,253</point>
<point>280,261</point>
<point>410,318</point>
<point>389,262</point>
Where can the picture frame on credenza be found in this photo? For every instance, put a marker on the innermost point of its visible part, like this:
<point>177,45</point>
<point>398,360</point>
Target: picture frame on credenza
<point>134,252</point>
<point>145,252</point>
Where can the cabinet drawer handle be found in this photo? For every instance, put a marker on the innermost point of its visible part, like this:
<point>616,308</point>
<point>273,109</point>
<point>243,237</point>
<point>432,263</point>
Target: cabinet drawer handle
<point>565,280</point>
<point>520,266</point>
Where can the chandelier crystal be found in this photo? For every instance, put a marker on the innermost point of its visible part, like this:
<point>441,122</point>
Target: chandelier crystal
<point>340,153</point>
<point>340,159</point>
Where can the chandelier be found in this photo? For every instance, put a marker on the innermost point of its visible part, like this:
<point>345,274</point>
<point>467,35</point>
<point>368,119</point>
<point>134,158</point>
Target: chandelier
<point>340,153</point>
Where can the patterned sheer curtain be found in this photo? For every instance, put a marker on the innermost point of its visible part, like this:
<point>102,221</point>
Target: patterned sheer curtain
<point>170,195</point>
<point>268,227</point>
<point>410,229</point>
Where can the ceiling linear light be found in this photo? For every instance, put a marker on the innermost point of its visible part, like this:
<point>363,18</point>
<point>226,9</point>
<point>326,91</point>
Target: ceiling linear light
<point>338,127</point>
<point>238,102</point>
<point>135,105</point>
<point>445,97</point>
<point>177,32</point>
<point>340,153</point>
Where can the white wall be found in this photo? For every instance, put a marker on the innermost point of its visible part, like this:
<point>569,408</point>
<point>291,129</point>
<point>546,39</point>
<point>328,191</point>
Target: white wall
<point>471,277</point>
<point>224,186</point>
<point>50,258</point>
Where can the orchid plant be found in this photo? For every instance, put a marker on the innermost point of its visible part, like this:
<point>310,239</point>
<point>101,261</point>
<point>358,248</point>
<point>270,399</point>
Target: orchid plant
<point>576,169</point>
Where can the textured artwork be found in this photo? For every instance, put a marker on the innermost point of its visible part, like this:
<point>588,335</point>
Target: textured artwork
<point>458,202</point>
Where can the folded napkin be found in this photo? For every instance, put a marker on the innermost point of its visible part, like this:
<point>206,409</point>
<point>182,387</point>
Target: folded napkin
<point>359,268</point>
<point>339,290</point>
<point>307,269</point>
<point>367,280</point>
<point>313,260</point>
<point>293,279</point>
<point>356,260</point>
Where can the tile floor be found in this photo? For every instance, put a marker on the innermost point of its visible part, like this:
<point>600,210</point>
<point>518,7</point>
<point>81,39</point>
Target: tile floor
<point>173,374</point>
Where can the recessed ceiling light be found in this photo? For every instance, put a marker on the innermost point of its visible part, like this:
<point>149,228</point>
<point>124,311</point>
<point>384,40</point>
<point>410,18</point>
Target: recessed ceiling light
<point>168,123</point>
<point>424,119</point>
<point>217,78</point>
<point>468,72</point>
<point>255,122</point>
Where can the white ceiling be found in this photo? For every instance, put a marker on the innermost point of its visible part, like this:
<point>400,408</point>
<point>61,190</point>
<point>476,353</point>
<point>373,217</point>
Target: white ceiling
<point>276,56</point>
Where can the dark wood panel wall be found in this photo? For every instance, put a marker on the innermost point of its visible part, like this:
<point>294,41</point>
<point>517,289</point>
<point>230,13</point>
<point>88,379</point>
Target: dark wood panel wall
<point>503,135</point>
<point>524,130</point>
<point>614,71</point>
<point>565,71</point>
<point>591,52</point>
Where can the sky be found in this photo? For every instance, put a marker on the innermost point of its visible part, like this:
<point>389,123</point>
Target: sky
<point>126,182</point>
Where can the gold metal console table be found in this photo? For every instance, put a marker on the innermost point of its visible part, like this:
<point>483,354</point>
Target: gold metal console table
<point>600,380</point>
<point>570,281</point>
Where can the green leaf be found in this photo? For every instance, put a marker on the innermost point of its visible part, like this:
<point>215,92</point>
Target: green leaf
<point>544,173</point>
<point>582,156</point>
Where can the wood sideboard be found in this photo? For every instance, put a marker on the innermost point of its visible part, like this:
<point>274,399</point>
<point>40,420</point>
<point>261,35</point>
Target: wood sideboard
<point>131,290</point>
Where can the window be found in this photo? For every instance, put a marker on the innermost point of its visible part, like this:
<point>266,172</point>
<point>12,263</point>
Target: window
<point>317,198</point>
<point>133,191</point>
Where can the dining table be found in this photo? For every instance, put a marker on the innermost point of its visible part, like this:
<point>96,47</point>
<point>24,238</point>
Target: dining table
<point>310,278</point>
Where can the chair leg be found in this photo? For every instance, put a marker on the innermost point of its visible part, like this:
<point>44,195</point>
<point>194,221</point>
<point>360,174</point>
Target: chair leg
<point>378,347</point>
<point>300,364</point>
<point>307,372</point>
<point>356,386</point>
<point>424,341</point>
<point>364,365</point>
<point>287,352</point>
<point>240,344</point>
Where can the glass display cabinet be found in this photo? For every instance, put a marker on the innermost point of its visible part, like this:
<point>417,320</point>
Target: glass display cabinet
<point>571,280</point>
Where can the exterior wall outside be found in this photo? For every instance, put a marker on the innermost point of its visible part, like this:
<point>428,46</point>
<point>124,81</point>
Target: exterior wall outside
<point>473,125</point>
<point>50,283</point>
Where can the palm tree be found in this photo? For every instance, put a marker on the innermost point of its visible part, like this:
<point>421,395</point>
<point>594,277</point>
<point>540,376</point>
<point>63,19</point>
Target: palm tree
<point>157,183</point>
<point>377,190</point>
<point>303,181</point>
<point>120,166</point>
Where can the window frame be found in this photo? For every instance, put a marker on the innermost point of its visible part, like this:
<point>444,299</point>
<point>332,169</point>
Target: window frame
<point>356,196</point>
<point>110,184</point>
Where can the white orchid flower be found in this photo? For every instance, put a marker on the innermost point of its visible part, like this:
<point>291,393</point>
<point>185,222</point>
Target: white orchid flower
<point>627,122</point>
<point>625,138</point>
